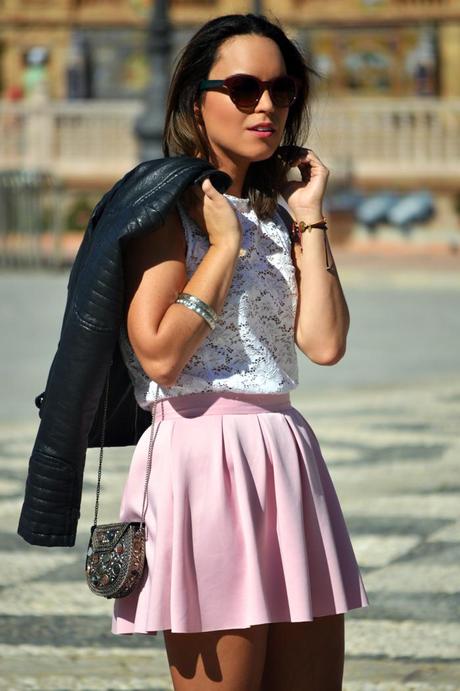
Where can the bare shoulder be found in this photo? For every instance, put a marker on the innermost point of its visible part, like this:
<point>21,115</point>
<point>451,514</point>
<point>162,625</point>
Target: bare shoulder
<point>159,253</point>
<point>166,241</point>
<point>150,248</point>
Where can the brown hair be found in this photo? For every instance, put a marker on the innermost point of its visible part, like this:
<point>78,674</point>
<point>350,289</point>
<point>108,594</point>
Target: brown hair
<point>182,136</point>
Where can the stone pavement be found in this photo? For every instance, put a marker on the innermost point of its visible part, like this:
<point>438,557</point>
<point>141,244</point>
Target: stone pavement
<point>390,438</point>
<point>393,455</point>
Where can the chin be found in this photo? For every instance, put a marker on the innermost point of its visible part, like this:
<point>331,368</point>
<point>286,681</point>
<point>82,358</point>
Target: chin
<point>253,154</point>
<point>263,156</point>
<point>261,151</point>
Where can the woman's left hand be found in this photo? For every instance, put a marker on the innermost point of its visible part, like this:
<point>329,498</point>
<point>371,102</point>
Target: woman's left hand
<point>306,195</point>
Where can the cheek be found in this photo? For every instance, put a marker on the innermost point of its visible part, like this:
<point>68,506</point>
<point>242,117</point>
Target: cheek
<point>221,117</point>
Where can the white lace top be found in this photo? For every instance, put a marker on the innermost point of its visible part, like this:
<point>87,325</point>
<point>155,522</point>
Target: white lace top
<point>252,348</point>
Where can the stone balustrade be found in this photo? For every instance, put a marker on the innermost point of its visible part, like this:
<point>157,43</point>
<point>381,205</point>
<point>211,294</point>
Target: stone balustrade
<point>373,140</point>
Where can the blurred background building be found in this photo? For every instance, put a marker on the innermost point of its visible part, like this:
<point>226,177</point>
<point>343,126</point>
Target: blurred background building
<point>386,115</point>
<point>95,48</point>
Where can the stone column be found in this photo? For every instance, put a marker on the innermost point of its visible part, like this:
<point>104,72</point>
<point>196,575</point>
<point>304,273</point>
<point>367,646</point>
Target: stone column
<point>449,49</point>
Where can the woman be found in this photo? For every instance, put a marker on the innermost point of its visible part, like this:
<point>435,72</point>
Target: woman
<point>250,567</point>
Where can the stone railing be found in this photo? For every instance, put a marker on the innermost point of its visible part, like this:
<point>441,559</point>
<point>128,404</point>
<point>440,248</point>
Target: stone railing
<point>372,140</point>
<point>74,140</point>
<point>392,140</point>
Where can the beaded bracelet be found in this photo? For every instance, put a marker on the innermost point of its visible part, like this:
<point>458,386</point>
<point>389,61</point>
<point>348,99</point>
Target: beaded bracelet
<point>299,227</point>
<point>199,306</point>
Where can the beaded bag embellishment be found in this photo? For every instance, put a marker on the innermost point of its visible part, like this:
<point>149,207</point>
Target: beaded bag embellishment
<point>115,558</point>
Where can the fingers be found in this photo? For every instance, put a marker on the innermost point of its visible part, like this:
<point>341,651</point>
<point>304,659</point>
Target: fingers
<point>209,189</point>
<point>206,188</point>
<point>296,155</point>
<point>314,157</point>
<point>307,156</point>
<point>311,164</point>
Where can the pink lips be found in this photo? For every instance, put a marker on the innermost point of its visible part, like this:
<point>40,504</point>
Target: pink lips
<point>262,135</point>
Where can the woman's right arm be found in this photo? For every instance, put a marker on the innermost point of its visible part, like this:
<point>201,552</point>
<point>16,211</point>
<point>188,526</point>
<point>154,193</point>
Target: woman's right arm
<point>165,334</point>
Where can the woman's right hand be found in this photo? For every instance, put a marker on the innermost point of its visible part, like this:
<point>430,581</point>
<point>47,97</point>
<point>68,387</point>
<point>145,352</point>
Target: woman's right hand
<point>215,214</point>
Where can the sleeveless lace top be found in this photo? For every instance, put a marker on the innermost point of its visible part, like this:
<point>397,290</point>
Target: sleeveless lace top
<point>252,348</point>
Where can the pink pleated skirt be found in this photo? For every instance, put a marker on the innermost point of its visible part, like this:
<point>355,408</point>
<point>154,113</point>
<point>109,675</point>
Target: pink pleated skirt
<point>244,524</point>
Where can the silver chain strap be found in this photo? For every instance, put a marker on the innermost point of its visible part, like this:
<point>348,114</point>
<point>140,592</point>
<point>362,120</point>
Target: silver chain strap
<point>149,462</point>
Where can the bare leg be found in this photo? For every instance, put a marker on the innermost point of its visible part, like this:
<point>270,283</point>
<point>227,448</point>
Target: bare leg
<point>305,656</point>
<point>228,660</point>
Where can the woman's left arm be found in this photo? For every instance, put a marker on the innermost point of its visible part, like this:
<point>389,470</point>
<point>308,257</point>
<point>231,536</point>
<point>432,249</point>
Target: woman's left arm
<point>322,319</point>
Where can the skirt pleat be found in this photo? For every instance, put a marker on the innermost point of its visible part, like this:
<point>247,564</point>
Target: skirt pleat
<point>244,523</point>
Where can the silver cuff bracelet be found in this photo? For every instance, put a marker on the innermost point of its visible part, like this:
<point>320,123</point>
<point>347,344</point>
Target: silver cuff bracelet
<point>199,306</point>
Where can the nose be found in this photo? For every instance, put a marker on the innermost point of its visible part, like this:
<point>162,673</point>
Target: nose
<point>265,103</point>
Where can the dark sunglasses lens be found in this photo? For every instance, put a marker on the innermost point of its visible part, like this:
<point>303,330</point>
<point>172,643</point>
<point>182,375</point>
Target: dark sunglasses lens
<point>283,91</point>
<point>244,90</point>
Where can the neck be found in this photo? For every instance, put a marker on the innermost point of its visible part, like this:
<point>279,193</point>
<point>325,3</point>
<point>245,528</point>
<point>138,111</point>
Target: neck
<point>237,170</point>
<point>236,188</point>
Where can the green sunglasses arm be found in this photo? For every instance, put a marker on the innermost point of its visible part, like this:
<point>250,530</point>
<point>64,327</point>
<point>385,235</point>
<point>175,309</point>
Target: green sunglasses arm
<point>209,83</point>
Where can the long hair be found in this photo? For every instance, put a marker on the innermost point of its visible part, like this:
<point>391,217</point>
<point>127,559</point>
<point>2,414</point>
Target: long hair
<point>182,136</point>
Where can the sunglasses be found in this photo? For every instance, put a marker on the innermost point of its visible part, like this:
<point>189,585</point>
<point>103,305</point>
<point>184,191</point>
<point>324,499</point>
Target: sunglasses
<point>246,90</point>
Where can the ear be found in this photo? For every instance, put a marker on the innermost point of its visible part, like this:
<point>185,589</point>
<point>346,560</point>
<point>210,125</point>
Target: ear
<point>197,111</point>
<point>198,118</point>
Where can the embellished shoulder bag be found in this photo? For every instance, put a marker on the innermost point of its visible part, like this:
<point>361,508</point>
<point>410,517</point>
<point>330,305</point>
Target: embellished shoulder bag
<point>115,558</point>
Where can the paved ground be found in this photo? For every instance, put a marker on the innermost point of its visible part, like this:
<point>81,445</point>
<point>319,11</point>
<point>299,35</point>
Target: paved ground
<point>387,419</point>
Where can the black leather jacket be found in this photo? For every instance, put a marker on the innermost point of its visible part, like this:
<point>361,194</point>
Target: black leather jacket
<point>72,405</point>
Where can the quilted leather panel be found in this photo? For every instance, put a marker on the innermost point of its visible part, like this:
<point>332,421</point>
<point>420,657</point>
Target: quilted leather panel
<point>50,483</point>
